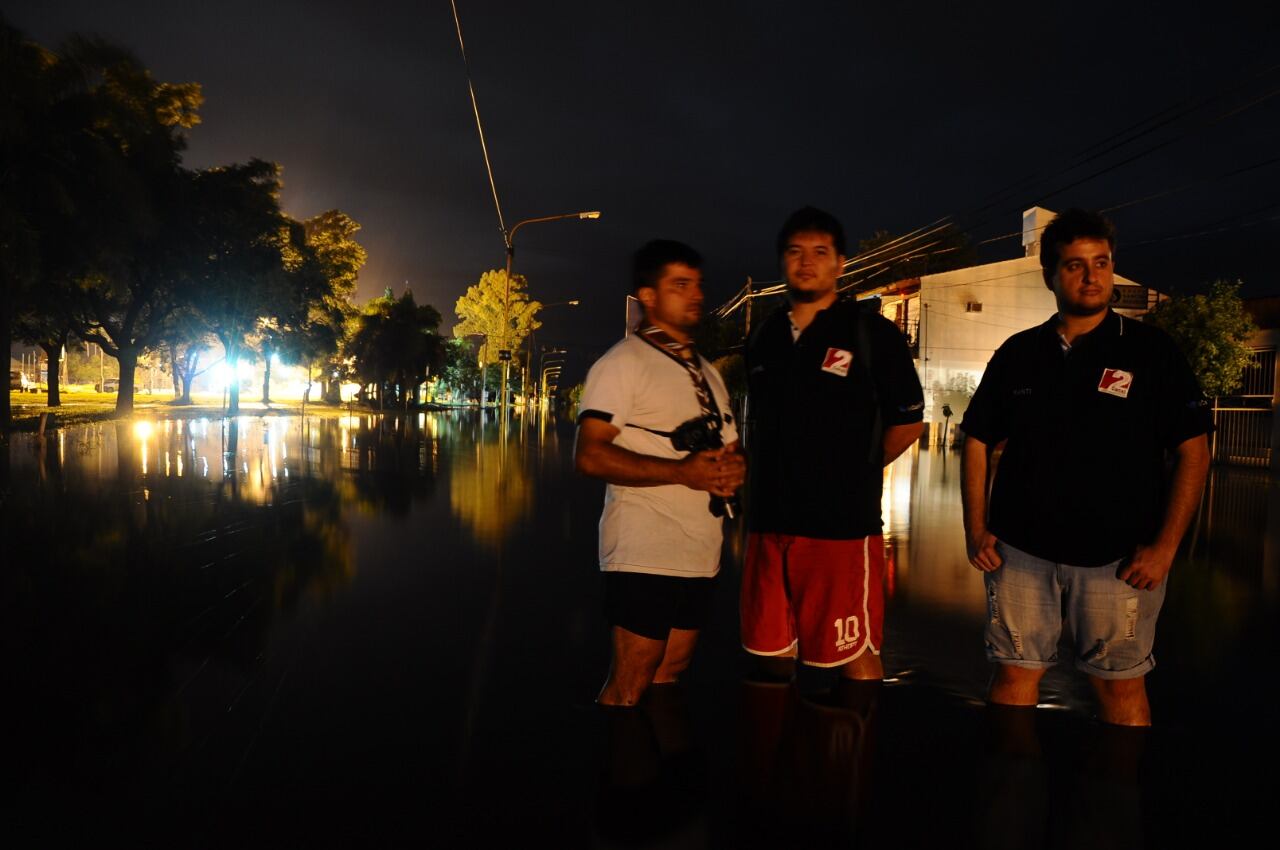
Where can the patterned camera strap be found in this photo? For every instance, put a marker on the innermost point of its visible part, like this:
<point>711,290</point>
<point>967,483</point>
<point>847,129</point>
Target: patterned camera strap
<point>676,350</point>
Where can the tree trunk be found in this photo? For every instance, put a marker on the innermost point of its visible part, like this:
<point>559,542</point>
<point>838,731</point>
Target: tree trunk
<point>232,358</point>
<point>266,380</point>
<point>128,359</point>
<point>185,371</point>
<point>52,354</point>
<point>233,406</point>
<point>173,373</point>
<point>266,375</point>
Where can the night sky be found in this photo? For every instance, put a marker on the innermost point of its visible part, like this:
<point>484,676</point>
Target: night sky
<point>709,122</point>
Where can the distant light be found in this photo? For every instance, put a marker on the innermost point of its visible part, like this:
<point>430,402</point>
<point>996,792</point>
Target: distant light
<point>573,303</point>
<point>591,214</point>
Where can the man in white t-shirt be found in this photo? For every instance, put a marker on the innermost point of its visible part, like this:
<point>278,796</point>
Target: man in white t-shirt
<point>660,531</point>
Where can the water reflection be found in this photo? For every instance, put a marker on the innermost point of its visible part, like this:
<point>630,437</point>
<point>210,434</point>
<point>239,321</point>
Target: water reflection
<point>370,612</point>
<point>490,489</point>
<point>806,763</point>
<point>1039,790</point>
<point>653,788</point>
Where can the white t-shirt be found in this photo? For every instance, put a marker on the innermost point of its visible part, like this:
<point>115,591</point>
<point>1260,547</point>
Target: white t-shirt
<point>667,530</point>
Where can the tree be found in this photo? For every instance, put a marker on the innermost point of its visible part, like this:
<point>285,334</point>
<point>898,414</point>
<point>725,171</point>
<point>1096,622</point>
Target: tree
<point>241,271</point>
<point>332,259</point>
<point>24,102</point>
<point>86,138</point>
<point>48,322</point>
<point>482,308</point>
<point>184,339</point>
<point>460,371</point>
<point>396,346</point>
<point>1213,331</point>
<point>128,225</point>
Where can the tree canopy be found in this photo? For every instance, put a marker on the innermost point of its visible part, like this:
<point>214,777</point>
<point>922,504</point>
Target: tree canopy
<point>1212,330</point>
<point>396,346</point>
<point>481,310</point>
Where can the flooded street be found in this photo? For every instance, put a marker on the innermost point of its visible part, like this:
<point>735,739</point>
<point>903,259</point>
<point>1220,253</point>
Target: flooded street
<point>372,631</point>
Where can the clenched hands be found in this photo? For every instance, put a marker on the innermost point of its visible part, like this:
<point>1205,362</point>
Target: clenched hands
<point>720,472</point>
<point>1147,568</point>
<point>982,551</point>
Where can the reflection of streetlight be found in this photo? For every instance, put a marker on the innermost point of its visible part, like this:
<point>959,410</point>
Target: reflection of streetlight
<point>508,237</point>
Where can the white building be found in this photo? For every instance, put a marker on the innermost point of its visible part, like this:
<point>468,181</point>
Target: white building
<point>956,320</point>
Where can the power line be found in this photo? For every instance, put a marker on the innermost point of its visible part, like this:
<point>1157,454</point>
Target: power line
<point>1166,117</point>
<point>475,108</point>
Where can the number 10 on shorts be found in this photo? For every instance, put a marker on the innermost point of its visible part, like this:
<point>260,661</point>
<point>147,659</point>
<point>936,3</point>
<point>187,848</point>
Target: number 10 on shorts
<point>846,632</point>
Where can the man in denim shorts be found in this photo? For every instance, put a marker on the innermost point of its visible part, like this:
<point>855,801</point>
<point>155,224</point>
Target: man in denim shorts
<point>1083,522</point>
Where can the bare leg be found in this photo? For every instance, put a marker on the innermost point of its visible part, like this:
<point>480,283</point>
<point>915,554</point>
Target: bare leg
<point>865,667</point>
<point>678,654</point>
<point>635,661</point>
<point>777,668</point>
<point>1014,686</point>
<point>1123,701</point>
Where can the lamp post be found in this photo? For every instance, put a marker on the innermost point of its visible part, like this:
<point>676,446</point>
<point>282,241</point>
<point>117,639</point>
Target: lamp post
<point>551,371</point>
<point>508,237</point>
<point>545,357</point>
<point>528,349</point>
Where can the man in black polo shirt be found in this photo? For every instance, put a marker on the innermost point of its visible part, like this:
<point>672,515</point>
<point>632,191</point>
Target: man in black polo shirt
<point>1081,524</point>
<point>834,397</point>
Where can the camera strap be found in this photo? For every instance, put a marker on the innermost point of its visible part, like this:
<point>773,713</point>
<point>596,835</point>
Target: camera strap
<point>673,348</point>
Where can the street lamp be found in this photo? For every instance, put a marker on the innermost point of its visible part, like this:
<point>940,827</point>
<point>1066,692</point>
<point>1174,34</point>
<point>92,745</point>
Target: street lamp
<point>528,348</point>
<point>550,371</point>
<point>508,237</point>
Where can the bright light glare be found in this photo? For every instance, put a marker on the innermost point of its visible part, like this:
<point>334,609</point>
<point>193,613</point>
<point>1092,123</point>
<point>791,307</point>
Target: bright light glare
<point>142,429</point>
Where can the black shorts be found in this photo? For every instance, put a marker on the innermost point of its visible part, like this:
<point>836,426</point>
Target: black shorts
<point>652,605</point>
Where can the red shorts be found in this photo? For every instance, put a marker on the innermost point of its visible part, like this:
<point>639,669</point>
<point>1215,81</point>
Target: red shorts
<point>827,596</point>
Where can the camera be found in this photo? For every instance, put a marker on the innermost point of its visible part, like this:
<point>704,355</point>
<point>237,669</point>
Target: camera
<point>701,434</point>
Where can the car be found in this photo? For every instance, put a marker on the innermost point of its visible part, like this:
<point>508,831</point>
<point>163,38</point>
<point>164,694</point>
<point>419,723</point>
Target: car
<point>19,381</point>
<point>108,385</point>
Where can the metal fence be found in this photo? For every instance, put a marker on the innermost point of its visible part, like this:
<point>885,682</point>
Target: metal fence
<point>1243,422</point>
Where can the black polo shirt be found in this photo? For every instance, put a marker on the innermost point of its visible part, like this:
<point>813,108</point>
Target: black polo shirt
<point>814,469</point>
<point>1082,478</point>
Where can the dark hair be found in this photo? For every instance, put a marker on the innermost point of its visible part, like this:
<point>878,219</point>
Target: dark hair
<point>647,263</point>
<point>811,220</point>
<point>1066,228</point>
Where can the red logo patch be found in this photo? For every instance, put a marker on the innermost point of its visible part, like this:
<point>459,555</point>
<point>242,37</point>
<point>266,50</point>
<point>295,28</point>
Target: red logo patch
<point>837,361</point>
<point>1116,382</point>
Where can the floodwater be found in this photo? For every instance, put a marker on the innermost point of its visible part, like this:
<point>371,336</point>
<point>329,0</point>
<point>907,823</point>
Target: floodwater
<point>380,631</point>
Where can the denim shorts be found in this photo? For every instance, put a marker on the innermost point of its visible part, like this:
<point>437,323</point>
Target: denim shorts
<point>1112,625</point>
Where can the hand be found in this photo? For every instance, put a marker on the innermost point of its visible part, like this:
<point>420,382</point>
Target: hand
<point>982,551</point>
<point>717,471</point>
<point>1147,568</point>
<point>733,467</point>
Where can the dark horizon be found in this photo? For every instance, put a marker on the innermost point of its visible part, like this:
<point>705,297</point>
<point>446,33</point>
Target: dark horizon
<point>709,124</point>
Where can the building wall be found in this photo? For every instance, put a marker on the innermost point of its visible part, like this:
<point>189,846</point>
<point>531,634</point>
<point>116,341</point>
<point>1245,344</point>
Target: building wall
<point>957,319</point>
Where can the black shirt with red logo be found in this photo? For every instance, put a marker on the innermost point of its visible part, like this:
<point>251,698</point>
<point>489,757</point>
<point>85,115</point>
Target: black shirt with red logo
<point>813,438</point>
<point>1081,480</point>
